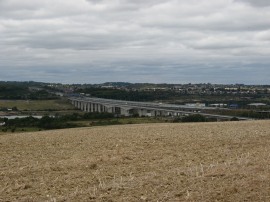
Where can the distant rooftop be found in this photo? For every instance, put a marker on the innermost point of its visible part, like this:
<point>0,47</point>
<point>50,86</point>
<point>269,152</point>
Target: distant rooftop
<point>257,104</point>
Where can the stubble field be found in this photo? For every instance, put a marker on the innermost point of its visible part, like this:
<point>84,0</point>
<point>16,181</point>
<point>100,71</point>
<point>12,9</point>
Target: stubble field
<point>227,161</point>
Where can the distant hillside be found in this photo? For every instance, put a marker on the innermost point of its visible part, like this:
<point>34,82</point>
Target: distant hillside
<point>226,161</point>
<point>24,90</point>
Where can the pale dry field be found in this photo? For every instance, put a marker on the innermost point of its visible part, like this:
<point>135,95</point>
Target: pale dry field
<point>227,161</point>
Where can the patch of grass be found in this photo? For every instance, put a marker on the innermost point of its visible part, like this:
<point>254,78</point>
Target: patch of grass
<point>4,130</point>
<point>35,105</point>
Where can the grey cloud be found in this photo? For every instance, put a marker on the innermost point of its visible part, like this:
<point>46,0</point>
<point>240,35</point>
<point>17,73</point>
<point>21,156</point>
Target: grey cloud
<point>139,40</point>
<point>260,3</point>
<point>264,35</point>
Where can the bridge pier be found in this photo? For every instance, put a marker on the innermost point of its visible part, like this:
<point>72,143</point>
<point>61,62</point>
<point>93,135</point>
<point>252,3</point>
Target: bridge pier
<point>77,104</point>
<point>85,106</point>
<point>109,109</point>
<point>81,106</point>
<point>94,107</point>
<point>124,112</point>
<point>142,112</point>
<point>88,107</point>
<point>91,107</point>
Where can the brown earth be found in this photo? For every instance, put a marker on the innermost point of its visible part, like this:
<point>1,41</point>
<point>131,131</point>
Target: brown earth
<point>227,161</point>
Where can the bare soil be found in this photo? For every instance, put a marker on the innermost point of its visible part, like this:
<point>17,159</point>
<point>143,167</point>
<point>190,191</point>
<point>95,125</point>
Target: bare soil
<point>227,161</point>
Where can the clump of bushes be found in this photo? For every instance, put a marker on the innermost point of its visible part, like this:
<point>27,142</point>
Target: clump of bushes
<point>194,118</point>
<point>234,119</point>
<point>56,122</point>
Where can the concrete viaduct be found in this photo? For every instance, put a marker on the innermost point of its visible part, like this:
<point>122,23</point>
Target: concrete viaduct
<point>129,108</point>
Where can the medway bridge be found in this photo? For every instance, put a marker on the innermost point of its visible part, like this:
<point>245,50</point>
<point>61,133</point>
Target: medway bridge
<point>151,109</point>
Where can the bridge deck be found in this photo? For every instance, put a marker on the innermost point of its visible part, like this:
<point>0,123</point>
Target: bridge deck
<point>153,106</point>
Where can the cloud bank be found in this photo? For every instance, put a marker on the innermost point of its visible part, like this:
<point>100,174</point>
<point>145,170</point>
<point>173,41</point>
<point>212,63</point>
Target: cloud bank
<point>176,41</point>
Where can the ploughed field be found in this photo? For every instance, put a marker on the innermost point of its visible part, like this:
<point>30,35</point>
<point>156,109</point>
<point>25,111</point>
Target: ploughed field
<point>227,161</point>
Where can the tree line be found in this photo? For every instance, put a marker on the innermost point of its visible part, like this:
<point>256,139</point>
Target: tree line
<point>49,122</point>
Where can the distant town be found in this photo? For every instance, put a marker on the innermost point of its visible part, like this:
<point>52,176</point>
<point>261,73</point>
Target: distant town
<point>184,89</point>
<point>238,94</point>
<point>233,95</point>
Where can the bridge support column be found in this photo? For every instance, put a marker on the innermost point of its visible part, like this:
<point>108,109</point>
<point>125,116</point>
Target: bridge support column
<point>97,107</point>
<point>88,107</point>
<point>109,109</point>
<point>153,113</point>
<point>124,112</point>
<point>91,107</point>
<point>163,113</point>
<point>101,108</point>
<point>169,113</point>
<point>142,112</point>
<point>81,106</point>
<point>85,106</point>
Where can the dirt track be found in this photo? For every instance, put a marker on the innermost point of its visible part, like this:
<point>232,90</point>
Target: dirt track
<point>155,162</point>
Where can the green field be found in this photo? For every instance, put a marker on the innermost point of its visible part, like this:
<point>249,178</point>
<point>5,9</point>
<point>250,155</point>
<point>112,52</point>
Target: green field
<point>19,130</point>
<point>37,105</point>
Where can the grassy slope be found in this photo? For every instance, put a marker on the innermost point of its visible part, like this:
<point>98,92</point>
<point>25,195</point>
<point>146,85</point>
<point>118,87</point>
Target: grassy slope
<point>155,162</point>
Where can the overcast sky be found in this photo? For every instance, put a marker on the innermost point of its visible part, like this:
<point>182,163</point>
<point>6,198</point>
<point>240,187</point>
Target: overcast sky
<point>173,41</point>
